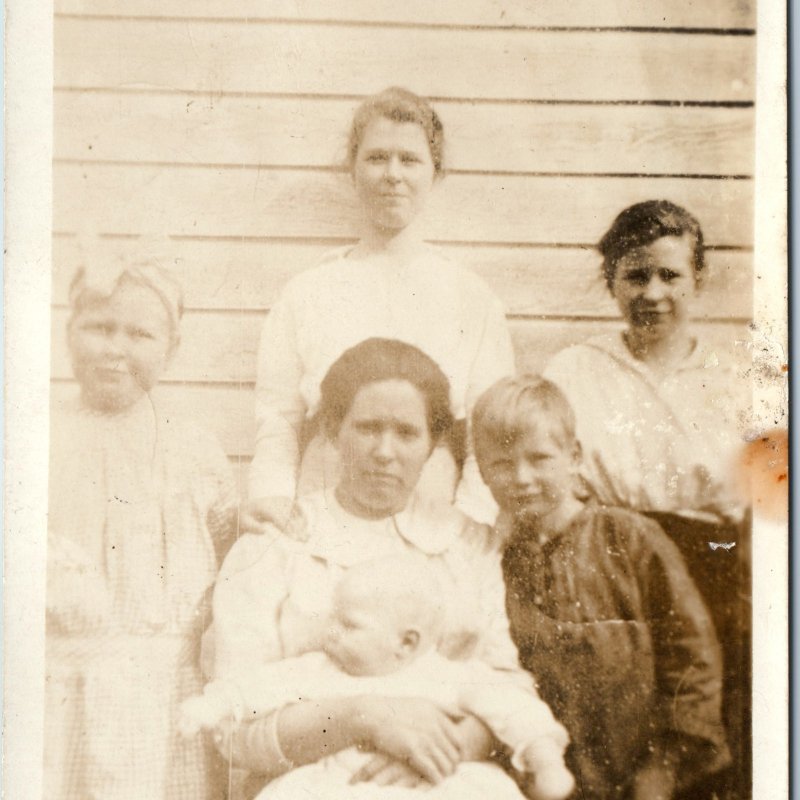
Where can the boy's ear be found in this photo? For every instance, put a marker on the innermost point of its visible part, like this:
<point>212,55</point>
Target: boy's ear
<point>577,452</point>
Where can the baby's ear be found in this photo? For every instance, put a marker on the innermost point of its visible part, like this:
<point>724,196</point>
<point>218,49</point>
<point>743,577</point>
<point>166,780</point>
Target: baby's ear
<point>174,344</point>
<point>409,642</point>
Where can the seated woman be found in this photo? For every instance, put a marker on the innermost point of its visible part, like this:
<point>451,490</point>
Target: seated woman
<point>658,413</point>
<point>142,507</point>
<point>381,640</point>
<point>384,404</point>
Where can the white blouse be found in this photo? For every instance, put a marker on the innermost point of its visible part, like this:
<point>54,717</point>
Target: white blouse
<point>429,302</point>
<point>655,442</point>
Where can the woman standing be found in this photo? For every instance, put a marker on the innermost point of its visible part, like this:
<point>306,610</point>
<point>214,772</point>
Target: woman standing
<point>142,508</point>
<point>390,284</point>
<point>658,413</point>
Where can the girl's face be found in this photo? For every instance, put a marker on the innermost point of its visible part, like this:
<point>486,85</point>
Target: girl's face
<point>120,346</point>
<point>383,444</point>
<point>393,172</point>
<point>655,284</point>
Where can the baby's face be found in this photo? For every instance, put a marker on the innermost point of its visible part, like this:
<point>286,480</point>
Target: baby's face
<point>361,639</point>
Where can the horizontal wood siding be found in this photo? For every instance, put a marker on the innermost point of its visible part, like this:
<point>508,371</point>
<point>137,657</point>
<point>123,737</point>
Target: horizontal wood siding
<point>221,127</point>
<point>691,14</point>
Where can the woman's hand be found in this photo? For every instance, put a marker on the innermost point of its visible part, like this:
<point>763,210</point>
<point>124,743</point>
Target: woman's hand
<point>412,731</point>
<point>259,513</point>
<point>383,770</point>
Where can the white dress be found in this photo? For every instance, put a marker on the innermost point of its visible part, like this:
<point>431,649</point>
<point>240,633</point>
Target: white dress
<point>429,302</point>
<point>274,595</point>
<point>140,507</point>
<point>515,715</point>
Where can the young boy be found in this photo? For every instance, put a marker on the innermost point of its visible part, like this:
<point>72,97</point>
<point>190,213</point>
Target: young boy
<point>382,640</point>
<point>601,607</point>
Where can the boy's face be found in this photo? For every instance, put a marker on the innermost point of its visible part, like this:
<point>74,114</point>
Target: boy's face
<point>532,478</point>
<point>361,639</point>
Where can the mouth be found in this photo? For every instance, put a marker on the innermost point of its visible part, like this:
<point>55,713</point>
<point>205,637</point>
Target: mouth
<point>110,374</point>
<point>650,316</point>
<point>383,478</point>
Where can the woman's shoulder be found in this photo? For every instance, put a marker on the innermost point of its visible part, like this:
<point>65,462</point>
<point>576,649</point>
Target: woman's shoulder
<point>254,554</point>
<point>449,269</point>
<point>329,266</point>
<point>586,352</point>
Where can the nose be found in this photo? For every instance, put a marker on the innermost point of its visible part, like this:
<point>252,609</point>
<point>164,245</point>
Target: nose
<point>113,343</point>
<point>655,289</point>
<point>385,446</point>
<point>393,168</point>
<point>523,473</point>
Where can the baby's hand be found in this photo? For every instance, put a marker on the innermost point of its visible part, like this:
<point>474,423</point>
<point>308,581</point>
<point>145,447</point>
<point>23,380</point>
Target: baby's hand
<point>547,778</point>
<point>197,714</point>
<point>550,783</point>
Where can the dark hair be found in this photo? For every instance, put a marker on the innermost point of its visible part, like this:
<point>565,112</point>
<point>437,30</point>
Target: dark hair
<point>375,360</point>
<point>398,105</point>
<point>643,223</point>
<point>514,405</point>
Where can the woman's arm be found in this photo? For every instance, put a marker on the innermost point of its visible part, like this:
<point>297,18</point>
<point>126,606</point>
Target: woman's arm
<point>280,408</point>
<point>494,359</point>
<point>410,731</point>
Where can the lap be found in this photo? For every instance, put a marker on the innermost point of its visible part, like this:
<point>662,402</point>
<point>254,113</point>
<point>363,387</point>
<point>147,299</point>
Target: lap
<point>328,780</point>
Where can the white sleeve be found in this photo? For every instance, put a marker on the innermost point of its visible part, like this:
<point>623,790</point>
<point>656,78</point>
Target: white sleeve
<point>312,675</point>
<point>279,407</point>
<point>494,359</point>
<point>516,716</point>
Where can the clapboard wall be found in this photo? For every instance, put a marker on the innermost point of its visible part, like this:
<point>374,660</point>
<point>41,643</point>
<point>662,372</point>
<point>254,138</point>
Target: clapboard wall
<point>221,126</point>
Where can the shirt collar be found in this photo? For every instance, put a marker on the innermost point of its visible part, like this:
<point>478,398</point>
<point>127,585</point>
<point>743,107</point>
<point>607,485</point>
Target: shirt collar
<point>342,538</point>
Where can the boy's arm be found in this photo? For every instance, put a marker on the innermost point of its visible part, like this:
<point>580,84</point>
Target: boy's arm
<point>688,663</point>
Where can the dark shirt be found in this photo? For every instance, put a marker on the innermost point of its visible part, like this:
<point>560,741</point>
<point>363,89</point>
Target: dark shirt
<point>613,629</point>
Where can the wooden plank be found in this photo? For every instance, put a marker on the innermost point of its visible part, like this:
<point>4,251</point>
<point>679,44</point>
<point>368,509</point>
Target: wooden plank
<point>227,409</point>
<point>185,129</point>
<point>304,203</point>
<point>504,13</point>
<point>218,57</point>
<point>232,274</point>
<point>221,347</point>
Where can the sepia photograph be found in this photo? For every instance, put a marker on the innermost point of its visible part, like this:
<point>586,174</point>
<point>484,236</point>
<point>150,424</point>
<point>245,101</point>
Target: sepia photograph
<point>415,408</point>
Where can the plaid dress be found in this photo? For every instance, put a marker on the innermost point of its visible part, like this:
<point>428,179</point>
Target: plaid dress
<point>141,507</point>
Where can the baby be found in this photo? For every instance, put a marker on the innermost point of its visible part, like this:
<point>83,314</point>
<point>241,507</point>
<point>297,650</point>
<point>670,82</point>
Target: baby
<point>381,640</point>
<point>601,607</point>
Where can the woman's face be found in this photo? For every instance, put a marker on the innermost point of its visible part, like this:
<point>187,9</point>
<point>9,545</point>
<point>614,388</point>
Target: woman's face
<point>120,346</point>
<point>655,284</point>
<point>383,444</point>
<point>393,172</point>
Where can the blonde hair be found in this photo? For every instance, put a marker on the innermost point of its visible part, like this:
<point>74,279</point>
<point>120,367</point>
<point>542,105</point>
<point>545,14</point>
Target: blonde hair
<point>515,405</point>
<point>405,588</point>
<point>91,285</point>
